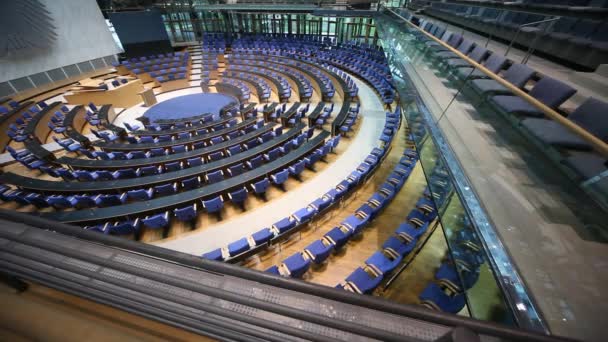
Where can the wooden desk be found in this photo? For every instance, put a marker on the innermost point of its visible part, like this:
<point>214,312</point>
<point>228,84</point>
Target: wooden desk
<point>123,96</point>
<point>110,186</point>
<point>190,196</point>
<point>148,97</point>
<point>90,83</point>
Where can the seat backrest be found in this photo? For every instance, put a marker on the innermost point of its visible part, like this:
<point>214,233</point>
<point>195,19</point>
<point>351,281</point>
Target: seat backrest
<point>519,75</point>
<point>478,53</point>
<point>551,92</point>
<point>466,46</point>
<point>592,116</point>
<point>495,62</point>
<point>455,40</point>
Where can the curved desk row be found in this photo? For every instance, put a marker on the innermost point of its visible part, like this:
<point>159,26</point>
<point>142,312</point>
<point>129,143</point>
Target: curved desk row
<point>340,118</point>
<point>106,115</point>
<point>38,130</point>
<point>314,115</point>
<point>113,146</point>
<point>119,185</point>
<point>187,197</point>
<point>280,89</point>
<point>80,163</point>
<point>9,118</point>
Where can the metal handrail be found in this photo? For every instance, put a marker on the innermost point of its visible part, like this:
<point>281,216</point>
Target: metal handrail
<point>525,25</point>
<point>188,260</point>
<point>599,145</point>
<point>593,13</point>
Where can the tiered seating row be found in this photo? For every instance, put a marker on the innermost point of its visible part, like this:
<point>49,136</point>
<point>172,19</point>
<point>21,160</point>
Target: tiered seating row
<point>574,152</point>
<point>279,231</point>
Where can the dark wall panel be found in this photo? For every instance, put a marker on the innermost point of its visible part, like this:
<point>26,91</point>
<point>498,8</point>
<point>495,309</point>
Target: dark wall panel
<point>141,33</point>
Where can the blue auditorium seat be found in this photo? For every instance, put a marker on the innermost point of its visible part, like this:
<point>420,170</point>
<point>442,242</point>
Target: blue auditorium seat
<point>297,168</point>
<point>156,221</point>
<point>274,269</point>
<point>434,296</point>
<point>362,282</point>
<point>303,215</point>
<point>383,262</point>
<point>191,183</point>
<point>214,177</point>
<point>549,91</point>
<point>236,170</point>
<point>83,175</point>
<point>56,201</point>
<point>126,173</point>
<point>82,201</point>
<point>233,150</point>
<point>279,178</point>
<point>356,222</point>
<point>110,200</point>
<point>518,75</point>
<point>409,232</point>
<point>192,162</point>
<point>173,166</point>
<point>261,186</point>
<point>131,127</point>
<point>272,154</point>
<point>141,194</point>
<point>254,162</point>
<point>590,115</point>
<point>214,205</point>
<point>398,247</point>
<point>238,197</point>
<point>215,156</point>
<point>150,170</point>
<point>312,159</point>
<point>166,189</point>
<point>283,225</point>
<point>215,254</point>
<point>319,250</point>
<point>238,247</point>
<point>321,203</point>
<point>179,149</point>
<point>37,200</point>
<point>124,227</point>
<point>262,236</point>
<point>187,213</point>
<point>297,264</point>
<point>338,236</point>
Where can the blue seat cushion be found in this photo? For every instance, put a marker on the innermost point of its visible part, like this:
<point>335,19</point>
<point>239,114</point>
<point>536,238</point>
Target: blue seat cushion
<point>489,86</point>
<point>363,281</point>
<point>553,133</point>
<point>319,251</point>
<point>297,265</point>
<point>238,247</point>
<point>215,254</point>
<point>515,105</point>
<point>262,236</point>
<point>383,263</point>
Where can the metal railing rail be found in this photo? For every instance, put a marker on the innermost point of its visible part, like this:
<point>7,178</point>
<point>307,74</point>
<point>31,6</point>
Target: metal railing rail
<point>190,261</point>
<point>599,145</point>
<point>593,13</point>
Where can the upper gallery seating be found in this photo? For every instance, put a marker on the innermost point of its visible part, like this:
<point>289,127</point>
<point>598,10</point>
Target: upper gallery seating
<point>579,41</point>
<point>578,156</point>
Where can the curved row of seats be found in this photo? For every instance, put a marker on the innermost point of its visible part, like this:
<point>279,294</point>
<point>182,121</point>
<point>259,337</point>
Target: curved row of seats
<point>280,230</point>
<point>406,239</point>
<point>234,87</point>
<point>283,65</point>
<point>283,88</point>
<point>573,152</point>
<point>337,238</point>
<point>580,41</point>
<point>163,184</point>
<point>262,87</point>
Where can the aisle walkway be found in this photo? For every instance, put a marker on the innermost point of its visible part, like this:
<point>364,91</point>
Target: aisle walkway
<point>372,122</point>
